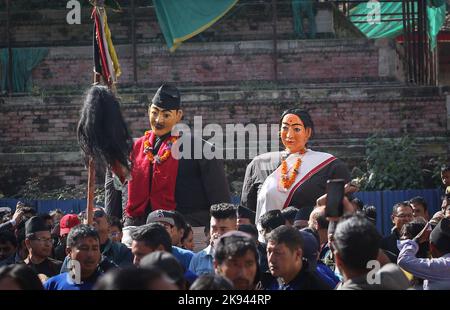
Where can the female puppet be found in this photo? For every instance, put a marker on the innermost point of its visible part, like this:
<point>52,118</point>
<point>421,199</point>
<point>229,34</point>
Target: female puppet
<point>296,176</point>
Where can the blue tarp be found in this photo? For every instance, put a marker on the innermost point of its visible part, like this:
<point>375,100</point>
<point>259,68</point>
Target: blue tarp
<point>382,200</point>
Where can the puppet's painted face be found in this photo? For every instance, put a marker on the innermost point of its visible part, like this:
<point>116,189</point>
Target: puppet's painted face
<point>162,121</point>
<point>293,133</point>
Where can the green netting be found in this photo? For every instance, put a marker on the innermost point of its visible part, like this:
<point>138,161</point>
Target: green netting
<point>388,29</point>
<point>24,60</point>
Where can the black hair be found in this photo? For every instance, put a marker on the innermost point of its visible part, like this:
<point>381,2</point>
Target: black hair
<point>167,263</point>
<point>411,229</point>
<point>79,232</point>
<point>23,275</point>
<point>445,168</point>
<point>357,241</point>
<point>236,245</point>
<point>399,205</point>
<point>115,221</point>
<point>102,132</point>
<point>358,202</point>
<point>211,282</point>
<point>370,212</point>
<point>271,220</point>
<point>419,200</point>
<point>8,236</point>
<point>45,216</point>
<point>244,212</point>
<point>179,220</point>
<point>186,232</point>
<point>289,236</point>
<point>303,115</point>
<point>153,235</point>
<point>128,279</point>
<point>289,214</point>
<point>249,229</point>
<point>223,211</point>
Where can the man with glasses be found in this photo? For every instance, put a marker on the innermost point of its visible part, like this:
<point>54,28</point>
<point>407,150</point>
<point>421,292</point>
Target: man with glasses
<point>39,243</point>
<point>402,213</point>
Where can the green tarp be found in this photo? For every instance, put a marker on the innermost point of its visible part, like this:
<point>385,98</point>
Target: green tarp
<point>180,20</point>
<point>24,60</point>
<point>389,29</point>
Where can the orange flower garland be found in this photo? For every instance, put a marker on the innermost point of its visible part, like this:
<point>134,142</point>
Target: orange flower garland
<point>285,180</point>
<point>148,149</point>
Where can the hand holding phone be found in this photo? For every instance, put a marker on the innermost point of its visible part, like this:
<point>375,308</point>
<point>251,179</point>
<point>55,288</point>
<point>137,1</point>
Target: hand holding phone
<point>335,194</point>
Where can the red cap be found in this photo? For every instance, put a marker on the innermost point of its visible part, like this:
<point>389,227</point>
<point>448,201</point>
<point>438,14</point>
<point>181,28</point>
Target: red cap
<point>67,222</point>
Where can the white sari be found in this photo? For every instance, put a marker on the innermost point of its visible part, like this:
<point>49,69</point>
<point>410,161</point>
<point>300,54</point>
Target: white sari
<point>273,196</point>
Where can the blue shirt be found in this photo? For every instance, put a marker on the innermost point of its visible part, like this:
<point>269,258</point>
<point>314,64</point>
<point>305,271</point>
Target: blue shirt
<point>63,282</point>
<point>326,274</point>
<point>202,262</point>
<point>183,256</point>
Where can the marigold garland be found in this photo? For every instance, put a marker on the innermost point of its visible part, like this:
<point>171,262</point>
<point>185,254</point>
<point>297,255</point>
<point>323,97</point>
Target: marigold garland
<point>148,149</point>
<point>285,180</point>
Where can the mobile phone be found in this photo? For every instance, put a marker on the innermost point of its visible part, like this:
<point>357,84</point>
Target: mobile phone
<point>335,195</point>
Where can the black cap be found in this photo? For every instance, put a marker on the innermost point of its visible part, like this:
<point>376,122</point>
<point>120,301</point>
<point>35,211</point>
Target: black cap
<point>160,216</point>
<point>167,97</point>
<point>34,225</point>
<point>440,236</point>
<point>303,213</point>
<point>246,213</point>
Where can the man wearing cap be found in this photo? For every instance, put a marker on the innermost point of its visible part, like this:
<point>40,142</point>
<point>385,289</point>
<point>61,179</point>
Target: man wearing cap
<point>160,181</point>
<point>302,217</point>
<point>118,253</point>
<point>66,223</point>
<point>166,218</point>
<point>245,216</point>
<point>38,241</point>
<point>435,271</point>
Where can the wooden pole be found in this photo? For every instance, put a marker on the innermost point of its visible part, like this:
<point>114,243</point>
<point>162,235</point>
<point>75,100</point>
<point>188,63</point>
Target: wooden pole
<point>91,172</point>
<point>91,192</point>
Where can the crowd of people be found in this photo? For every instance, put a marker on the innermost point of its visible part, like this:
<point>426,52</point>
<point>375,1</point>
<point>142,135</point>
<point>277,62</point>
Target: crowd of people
<point>57,251</point>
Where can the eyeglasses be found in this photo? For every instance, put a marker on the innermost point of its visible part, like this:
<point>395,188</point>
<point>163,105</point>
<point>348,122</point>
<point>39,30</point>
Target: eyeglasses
<point>43,240</point>
<point>115,234</point>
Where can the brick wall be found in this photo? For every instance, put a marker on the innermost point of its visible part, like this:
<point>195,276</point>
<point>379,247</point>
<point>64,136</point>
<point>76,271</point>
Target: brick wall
<point>224,63</point>
<point>38,138</point>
